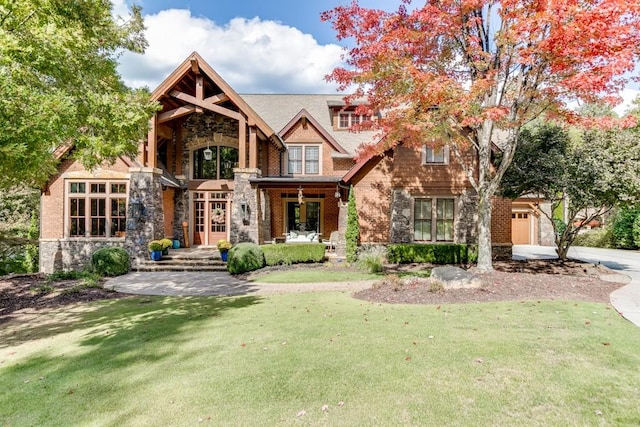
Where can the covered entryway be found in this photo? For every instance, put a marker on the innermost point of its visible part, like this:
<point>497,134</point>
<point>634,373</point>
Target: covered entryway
<point>211,216</point>
<point>521,228</point>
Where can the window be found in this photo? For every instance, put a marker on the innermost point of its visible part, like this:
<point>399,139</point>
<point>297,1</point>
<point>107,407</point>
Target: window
<point>350,118</point>
<point>224,157</point>
<point>100,212</point>
<point>433,217</point>
<point>303,159</point>
<point>435,155</point>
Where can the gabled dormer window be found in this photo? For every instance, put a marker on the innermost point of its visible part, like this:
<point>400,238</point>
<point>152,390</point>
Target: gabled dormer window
<point>347,119</point>
<point>435,155</point>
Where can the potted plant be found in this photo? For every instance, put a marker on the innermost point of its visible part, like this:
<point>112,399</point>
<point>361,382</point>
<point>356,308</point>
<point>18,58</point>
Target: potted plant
<point>155,250</point>
<point>223,247</point>
<point>166,244</point>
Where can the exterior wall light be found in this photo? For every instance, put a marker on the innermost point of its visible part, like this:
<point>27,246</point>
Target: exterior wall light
<point>208,154</point>
<point>137,210</point>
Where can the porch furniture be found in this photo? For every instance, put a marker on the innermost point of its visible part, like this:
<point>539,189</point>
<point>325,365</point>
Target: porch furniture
<point>302,237</point>
<point>332,242</point>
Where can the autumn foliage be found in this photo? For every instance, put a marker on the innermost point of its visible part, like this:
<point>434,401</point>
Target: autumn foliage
<point>470,73</point>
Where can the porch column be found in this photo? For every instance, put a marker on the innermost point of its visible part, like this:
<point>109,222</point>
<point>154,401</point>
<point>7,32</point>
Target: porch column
<point>246,225</point>
<point>242,143</point>
<point>145,188</point>
<point>341,245</point>
<point>253,148</point>
<point>152,144</point>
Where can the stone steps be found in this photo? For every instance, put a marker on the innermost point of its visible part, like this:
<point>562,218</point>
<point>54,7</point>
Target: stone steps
<point>185,260</point>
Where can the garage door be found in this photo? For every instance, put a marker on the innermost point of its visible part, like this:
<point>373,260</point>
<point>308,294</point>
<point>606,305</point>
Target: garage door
<point>521,228</point>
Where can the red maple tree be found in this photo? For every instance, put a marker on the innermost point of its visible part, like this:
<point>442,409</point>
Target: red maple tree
<point>471,73</point>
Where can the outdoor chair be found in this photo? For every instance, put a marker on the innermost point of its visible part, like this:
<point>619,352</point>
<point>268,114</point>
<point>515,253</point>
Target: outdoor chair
<point>331,243</point>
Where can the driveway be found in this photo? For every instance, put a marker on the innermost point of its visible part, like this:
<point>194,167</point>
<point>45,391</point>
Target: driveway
<point>625,300</point>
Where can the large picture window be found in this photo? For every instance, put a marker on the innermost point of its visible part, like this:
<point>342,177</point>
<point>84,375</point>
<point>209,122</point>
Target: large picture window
<point>97,209</point>
<point>433,219</point>
<point>303,159</point>
<point>223,160</point>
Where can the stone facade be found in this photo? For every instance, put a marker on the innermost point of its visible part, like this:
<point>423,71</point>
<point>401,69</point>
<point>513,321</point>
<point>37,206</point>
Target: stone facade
<point>246,228</point>
<point>71,254</point>
<point>145,188</point>
<point>401,204</point>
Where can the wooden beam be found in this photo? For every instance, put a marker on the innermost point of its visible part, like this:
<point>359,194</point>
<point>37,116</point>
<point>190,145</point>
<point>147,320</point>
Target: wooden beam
<point>217,99</point>
<point>152,147</point>
<point>194,65</point>
<point>242,143</point>
<point>175,113</point>
<point>199,91</point>
<point>204,104</point>
<point>165,132</point>
<point>253,148</point>
<point>179,149</point>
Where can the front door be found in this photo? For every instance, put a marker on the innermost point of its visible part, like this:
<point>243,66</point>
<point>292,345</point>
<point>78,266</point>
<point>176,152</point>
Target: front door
<point>210,217</point>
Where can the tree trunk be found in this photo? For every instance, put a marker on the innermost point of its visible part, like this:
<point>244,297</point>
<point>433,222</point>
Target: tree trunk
<point>485,259</point>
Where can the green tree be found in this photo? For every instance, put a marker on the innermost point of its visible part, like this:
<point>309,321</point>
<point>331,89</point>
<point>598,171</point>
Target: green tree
<point>590,177</point>
<point>352,233</point>
<point>59,85</point>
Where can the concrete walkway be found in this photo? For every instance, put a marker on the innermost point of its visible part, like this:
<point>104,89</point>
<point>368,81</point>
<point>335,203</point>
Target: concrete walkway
<point>216,283</point>
<point>626,300</point>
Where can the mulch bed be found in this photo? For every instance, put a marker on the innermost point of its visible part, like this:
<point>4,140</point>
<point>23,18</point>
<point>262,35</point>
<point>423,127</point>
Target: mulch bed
<point>511,281</point>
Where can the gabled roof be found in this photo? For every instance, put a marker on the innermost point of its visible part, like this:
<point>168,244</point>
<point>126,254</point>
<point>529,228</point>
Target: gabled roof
<point>304,115</point>
<point>195,64</point>
<point>279,109</point>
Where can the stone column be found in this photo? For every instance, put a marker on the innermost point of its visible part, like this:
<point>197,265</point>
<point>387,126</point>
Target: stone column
<point>245,228</point>
<point>401,231</point>
<point>144,187</point>
<point>341,245</point>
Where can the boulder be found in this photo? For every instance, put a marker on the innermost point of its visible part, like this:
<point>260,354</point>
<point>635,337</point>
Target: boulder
<point>455,278</point>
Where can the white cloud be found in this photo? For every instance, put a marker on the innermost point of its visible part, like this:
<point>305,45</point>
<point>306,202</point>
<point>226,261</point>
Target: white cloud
<point>628,96</point>
<point>252,55</point>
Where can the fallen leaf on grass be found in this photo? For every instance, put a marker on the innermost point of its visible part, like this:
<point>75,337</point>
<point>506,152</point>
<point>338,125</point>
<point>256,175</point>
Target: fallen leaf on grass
<point>301,413</point>
<point>325,408</point>
<point>341,403</point>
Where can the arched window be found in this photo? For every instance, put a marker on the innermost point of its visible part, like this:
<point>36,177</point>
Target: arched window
<point>223,160</point>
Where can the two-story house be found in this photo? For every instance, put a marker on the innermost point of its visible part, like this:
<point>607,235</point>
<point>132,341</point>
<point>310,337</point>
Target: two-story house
<point>220,165</point>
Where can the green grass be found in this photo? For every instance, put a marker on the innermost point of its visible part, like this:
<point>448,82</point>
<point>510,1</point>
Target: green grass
<point>314,276</point>
<point>260,361</point>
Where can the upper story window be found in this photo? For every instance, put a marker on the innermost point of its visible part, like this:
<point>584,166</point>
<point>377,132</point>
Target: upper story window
<point>347,119</point>
<point>303,159</point>
<point>223,160</point>
<point>435,155</point>
<point>97,209</point>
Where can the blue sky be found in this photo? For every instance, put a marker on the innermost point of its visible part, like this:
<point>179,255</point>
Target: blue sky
<point>268,46</point>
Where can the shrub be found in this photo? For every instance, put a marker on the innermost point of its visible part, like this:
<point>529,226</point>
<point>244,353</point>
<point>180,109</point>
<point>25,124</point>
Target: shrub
<point>166,243</point>
<point>440,253</point>
<point>154,246</point>
<point>636,231</point>
<point>112,261</point>
<point>371,258</point>
<point>245,257</point>
<point>294,253</point>
<point>595,238</point>
<point>352,233</point>
<point>623,229</point>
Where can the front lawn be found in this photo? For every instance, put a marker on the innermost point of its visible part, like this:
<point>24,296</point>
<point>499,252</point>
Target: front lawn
<point>314,275</point>
<point>278,360</point>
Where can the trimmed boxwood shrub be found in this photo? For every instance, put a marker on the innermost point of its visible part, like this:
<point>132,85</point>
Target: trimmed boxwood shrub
<point>245,257</point>
<point>112,261</point>
<point>293,253</point>
<point>438,253</point>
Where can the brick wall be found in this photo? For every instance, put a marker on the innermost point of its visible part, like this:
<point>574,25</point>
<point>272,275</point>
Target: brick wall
<point>501,220</point>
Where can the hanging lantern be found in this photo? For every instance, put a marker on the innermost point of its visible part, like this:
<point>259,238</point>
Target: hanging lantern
<point>208,154</point>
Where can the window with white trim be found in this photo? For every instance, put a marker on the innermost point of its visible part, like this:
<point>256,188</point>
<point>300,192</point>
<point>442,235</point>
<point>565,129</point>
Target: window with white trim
<point>435,155</point>
<point>346,119</point>
<point>433,219</point>
<point>303,159</point>
<point>97,209</point>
